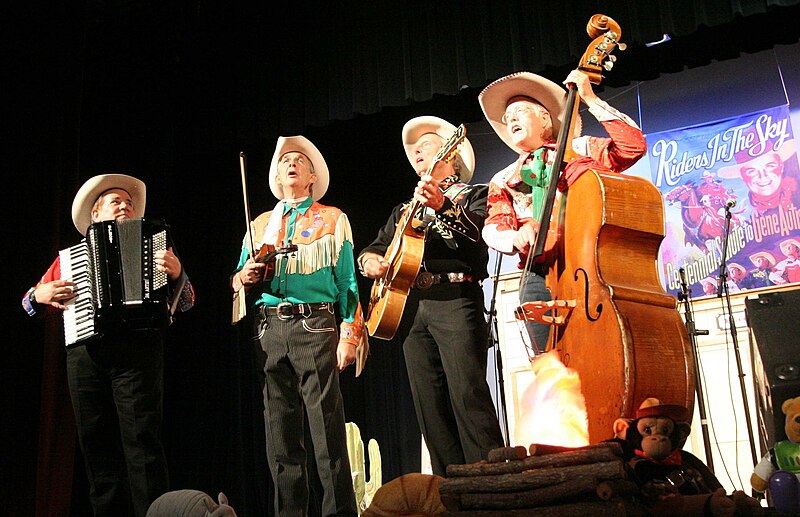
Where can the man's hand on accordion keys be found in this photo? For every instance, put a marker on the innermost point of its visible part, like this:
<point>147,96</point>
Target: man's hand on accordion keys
<point>167,262</point>
<point>55,293</point>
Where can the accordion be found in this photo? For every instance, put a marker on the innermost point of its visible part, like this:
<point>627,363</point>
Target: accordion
<point>117,282</point>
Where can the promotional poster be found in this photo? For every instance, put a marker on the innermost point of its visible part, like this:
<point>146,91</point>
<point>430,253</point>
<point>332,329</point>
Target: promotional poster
<point>729,185</point>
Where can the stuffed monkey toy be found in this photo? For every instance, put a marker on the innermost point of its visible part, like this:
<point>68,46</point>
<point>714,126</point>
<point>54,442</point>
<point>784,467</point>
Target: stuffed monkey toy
<point>673,482</point>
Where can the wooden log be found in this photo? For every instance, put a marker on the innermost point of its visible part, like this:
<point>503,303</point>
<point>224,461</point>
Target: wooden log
<point>531,479</point>
<point>541,449</point>
<point>614,508</point>
<point>576,457</point>
<point>507,453</point>
<point>568,490</point>
<point>575,487</point>
<point>613,488</point>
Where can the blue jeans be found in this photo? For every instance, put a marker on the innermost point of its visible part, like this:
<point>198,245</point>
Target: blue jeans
<point>532,288</point>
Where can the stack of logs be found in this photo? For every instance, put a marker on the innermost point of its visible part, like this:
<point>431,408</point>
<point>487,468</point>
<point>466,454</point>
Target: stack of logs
<point>549,482</point>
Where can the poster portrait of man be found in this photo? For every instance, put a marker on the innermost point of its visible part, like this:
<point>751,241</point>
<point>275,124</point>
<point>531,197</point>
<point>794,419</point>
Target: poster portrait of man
<point>732,182</point>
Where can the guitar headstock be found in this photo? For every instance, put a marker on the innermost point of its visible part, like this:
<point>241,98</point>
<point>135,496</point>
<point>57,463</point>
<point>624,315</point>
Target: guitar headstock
<point>450,148</point>
<point>606,33</point>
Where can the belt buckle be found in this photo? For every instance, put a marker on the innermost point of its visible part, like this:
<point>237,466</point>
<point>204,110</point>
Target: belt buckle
<point>284,315</point>
<point>457,277</point>
<point>424,280</point>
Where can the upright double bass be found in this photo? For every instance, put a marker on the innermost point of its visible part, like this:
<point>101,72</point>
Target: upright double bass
<point>620,330</point>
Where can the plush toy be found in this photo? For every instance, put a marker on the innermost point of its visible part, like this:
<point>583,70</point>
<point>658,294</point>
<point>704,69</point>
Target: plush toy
<point>672,481</point>
<point>779,470</point>
<point>190,503</point>
<point>410,495</point>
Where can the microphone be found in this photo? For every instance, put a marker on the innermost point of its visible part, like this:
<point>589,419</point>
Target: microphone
<point>730,204</point>
<point>684,293</point>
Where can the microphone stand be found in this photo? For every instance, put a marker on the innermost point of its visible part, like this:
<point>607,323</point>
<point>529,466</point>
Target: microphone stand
<point>723,291</point>
<point>685,295</point>
<point>494,342</point>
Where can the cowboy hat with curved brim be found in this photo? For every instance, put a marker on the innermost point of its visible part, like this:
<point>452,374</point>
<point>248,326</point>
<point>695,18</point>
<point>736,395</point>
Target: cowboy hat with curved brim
<point>734,171</point>
<point>494,100</point>
<point>785,244</point>
<point>673,411</point>
<point>416,127</point>
<point>734,265</point>
<point>299,144</point>
<point>709,281</point>
<point>763,254</point>
<point>94,187</point>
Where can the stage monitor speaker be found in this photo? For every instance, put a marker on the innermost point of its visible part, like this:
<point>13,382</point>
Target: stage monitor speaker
<point>774,321</point>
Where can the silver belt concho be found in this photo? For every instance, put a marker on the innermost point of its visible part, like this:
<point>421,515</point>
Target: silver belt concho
<point>425,280</point>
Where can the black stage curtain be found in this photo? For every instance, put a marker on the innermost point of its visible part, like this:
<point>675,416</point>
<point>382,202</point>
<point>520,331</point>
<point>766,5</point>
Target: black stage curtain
<point>172,91</point>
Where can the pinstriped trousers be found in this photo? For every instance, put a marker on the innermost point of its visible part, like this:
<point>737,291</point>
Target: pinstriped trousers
<point>298,373</point>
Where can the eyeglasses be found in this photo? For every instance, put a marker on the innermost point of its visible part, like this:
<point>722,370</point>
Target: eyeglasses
<point>515,113</point>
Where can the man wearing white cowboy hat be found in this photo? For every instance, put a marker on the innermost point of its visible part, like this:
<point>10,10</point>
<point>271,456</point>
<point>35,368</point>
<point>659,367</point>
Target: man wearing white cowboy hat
<point>525,109</point>
<point>443,329</point>
<point>787,271</point>
<point>737,273</point>
<point>301,353</point>
<point>116,380</point>
<point>763,261</point>
<point>765,176</point>
<point>709,286</point>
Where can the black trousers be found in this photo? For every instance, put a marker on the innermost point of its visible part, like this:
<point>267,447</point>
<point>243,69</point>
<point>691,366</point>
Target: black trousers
<point>297,358</point>
<point>445,352</point>
<point>117,387</point>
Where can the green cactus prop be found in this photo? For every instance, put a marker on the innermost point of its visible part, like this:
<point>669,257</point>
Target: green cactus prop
<point>363,488</point>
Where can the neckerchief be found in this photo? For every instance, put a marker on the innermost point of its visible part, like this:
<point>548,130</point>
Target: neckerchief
<point>270,235</point>
<point>673,459</point>
<point>536,173</point>
<point>781,197</point>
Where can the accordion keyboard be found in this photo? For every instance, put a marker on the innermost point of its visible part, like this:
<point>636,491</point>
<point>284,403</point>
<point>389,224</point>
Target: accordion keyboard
<point>79,316</point>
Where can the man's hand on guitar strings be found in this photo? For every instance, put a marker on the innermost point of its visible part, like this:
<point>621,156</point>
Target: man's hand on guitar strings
<point>374,265</point>
<point>428,192</point>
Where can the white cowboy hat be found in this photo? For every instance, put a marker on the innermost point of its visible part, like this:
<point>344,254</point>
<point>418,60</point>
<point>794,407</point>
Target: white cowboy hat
<point>734,265</point>
<point>734,171</point>
<point>416,127</point>
<point>494,101</point>
<point>765,254</point>
<point>709,281</point>
<point>94,187</point>
<point>299,144</point>
<point>785,244</point>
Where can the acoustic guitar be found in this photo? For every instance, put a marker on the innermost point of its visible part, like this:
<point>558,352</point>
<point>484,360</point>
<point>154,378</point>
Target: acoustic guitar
<point>387,299</point>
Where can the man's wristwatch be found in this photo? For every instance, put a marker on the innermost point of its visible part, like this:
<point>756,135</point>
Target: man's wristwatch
<point>32,297</point>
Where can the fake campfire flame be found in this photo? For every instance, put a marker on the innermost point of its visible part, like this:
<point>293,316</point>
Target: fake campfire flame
<point>553,410</point>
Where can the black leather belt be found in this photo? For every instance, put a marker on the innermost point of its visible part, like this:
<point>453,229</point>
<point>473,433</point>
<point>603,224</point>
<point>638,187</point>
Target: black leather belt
<point>287,311</point>
<point>426,280</point>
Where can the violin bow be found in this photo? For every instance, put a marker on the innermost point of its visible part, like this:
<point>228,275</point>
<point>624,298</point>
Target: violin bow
<point>243,167</point>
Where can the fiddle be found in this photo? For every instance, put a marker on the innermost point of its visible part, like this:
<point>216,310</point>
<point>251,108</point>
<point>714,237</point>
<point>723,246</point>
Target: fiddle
<point>268,255</point>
